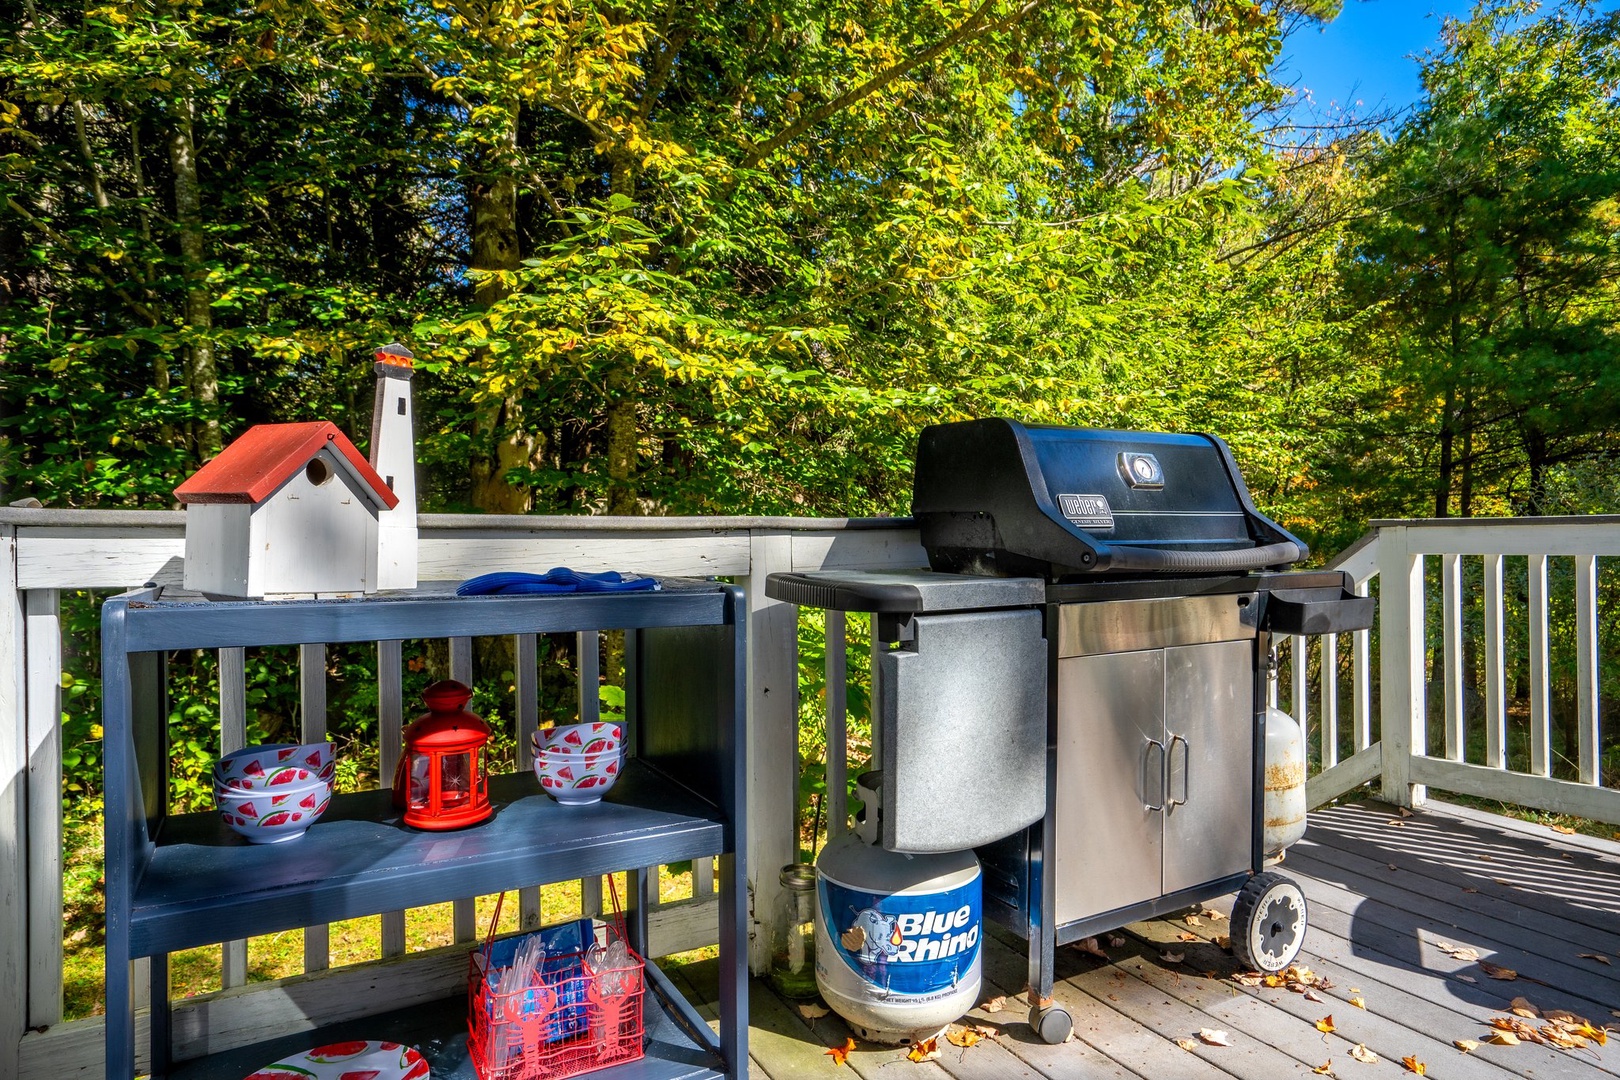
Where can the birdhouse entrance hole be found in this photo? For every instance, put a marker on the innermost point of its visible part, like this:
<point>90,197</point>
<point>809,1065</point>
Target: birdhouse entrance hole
<point>318,471</point>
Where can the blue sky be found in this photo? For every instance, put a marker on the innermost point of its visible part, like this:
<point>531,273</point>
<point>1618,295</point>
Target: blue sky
<point>1366,57</point>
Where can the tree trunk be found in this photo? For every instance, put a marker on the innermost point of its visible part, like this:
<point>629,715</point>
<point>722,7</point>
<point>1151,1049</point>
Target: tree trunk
<point>500,440</point>
<point>202,376</point>
<point>622,439</point>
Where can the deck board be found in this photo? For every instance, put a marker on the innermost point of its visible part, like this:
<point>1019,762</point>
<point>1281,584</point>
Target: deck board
<point>1519,894</point>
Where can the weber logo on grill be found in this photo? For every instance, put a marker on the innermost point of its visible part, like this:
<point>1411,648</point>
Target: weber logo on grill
<point>1087,511</point>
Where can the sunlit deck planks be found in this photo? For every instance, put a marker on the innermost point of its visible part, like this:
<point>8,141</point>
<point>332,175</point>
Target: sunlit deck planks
<point>1385,893</point>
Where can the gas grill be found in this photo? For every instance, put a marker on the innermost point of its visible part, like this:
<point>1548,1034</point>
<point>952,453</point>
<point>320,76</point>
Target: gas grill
<point>1096,632</point>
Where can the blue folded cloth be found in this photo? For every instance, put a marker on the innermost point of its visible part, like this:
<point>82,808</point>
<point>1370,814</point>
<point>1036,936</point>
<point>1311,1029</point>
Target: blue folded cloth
<point>556,580</point>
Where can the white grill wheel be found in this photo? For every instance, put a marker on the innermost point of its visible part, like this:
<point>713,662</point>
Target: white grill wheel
<point>1268,922</point>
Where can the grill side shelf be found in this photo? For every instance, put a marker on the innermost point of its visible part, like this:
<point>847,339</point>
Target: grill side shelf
<point>1316,611</point>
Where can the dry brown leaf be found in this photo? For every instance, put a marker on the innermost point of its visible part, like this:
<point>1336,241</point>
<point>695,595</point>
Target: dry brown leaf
<point>1465,1045</point>
<point>1089,945</point>
<point>1363,1055</point>
<point>1325,1025</point>
<point>1116,941</point>
<point>1188,1045</point>
<point>1470,888</point>
<point>1502,881</point>
<point>1563,829</point>
<point>1192,920</point>
<point>1324,1069</point>
<point>1172,957</point>
<point>1522,1007</point>
<point>1214,1037</point>
<point>1502,1038</point>
<point>1392,866</point>
<point>1599,957</point>
<point>1485,858</point>
<point>1403,811</point>
<point>995,1004</point>
<point>964,1038</point>
<point>810,1010</point>
<point>1395,821</point>
<point>1312,995</point>
<point>1495,971</point>
<point>1414,1065</point>
<point>1224,942</point>
<point>840,1054</point>
<point>924,1050</point>
<point>1254,978</point>
<point>1211,913</point>
<point>1360,1003</point>
<point>1186,936</point>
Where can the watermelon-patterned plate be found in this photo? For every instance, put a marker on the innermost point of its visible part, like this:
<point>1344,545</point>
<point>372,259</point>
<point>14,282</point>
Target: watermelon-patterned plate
<point>349,1061</point>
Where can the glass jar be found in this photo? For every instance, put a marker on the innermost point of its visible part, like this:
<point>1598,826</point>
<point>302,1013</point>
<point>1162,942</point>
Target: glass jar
<point>793,934</point>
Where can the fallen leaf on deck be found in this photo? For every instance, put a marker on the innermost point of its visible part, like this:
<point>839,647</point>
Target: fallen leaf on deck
<point>1186,936</point>
<point>1211,913</point>
<point>1522,1007</point>
<point>1363,1055</point>
<point>964,1038</point>
<point>1188,1045</point>
<point>1224,943</point>
<point>1503,881</point>
<point>1324,1069</point>
<point>1565,829</point>
<point>1116,941</point>
<point>1403,811</point>
<point>1392,866</point>
<point>1172,957</point>
<point>840,1054</point>
<point>1457,952</point>
<point>1214,1037</point>
<point>1312,995</point>
<point>1192,920</point>
<point>1470,888</point>
<point>1325,1025</point>
<point>1502,1038</point>
<point>995,1004</point>
<point>1506,974</point>
<point>1485,858</point>
<point>924,1050</point>
<point>1414,1065</point>
<point>1465,1045</point>
<point>1254,978</point>
<point>1360,1003</point>
<point>1467,978</point>
<point>811,1011</point>
<point>1089,945</point>
<point>1599,957</point>
<point>1395,821</point>
<point>1274,981</point>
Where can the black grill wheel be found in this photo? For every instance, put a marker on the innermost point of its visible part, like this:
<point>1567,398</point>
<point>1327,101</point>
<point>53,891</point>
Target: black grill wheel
<point>1268,922</point>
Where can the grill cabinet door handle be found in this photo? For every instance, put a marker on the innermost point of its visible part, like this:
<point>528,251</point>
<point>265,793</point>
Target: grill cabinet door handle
<point>1150,772</point>
<point>1186,763</point>
<point>1125,557</point>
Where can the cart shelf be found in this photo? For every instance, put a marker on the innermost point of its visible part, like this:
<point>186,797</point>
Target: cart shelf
<point>205,883</point>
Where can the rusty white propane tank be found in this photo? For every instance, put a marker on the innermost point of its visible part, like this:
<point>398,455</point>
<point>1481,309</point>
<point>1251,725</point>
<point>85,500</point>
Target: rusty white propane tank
<point>1285,781</point>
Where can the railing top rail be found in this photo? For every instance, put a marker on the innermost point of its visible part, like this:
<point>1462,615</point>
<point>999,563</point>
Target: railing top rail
<point>176,519</point>
<point>1495,522</point>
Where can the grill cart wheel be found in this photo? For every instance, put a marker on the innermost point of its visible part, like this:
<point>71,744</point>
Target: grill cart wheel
<point>1268,922</point>
<point>1052,1023</point>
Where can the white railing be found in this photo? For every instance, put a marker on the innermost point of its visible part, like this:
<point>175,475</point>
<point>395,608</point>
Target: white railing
<point>1382,695</point>
<point>1445,622</point>
<point>44,553</point>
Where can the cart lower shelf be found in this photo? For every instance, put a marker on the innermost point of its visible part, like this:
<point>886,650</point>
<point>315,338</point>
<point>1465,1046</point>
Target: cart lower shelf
<point>439,1030</point>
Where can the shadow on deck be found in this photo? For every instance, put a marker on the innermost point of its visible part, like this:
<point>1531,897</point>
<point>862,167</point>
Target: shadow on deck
<point>1409,915</point>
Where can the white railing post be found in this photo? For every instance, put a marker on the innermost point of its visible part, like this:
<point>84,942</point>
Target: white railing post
<point>1330,700</point>
<point>1452,646</point>
<point>1540,703</point>
<point>1495,667</point>
<point>14,972</point>
<point>312,707</point>
<point>233,961</point>
<point>1588,769</point>
<point>773,756</point>
<point>1403,728</point>
<point>43,654</point>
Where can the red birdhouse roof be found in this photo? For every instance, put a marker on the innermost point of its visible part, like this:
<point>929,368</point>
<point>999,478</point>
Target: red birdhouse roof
<point>255,465</point>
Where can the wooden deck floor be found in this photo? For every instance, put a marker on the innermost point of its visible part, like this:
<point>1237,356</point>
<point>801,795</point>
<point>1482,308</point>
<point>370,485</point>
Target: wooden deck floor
<point>1388,896</point>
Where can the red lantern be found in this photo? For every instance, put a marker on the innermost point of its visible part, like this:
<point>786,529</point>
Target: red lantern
<point>442,781</point>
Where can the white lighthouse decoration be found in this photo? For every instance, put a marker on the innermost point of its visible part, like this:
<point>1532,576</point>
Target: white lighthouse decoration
<point>393,455</point>
<point>293,510</point>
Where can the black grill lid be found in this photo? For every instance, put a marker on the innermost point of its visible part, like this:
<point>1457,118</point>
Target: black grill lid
<point>996,496</point>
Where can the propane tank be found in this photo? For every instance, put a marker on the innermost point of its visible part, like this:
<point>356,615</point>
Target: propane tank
<point>1285,781</point>
<point>897,936</point>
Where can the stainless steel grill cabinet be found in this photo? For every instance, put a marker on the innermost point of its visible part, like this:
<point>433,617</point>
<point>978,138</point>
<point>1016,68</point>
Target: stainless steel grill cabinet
<point>1156,586</point>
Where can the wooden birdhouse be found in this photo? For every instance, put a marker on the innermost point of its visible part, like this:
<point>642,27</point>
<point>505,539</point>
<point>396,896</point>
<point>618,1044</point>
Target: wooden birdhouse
<point>285,510</point>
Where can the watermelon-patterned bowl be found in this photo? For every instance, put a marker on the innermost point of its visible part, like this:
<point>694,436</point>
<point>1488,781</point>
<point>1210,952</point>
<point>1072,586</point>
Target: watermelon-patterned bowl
<point>270,817</point>
<point>595,738</point>
<point>578,779</point>
<point>259,762</point>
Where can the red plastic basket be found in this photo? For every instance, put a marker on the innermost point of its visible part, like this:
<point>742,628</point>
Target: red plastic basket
<point>578,1016</point>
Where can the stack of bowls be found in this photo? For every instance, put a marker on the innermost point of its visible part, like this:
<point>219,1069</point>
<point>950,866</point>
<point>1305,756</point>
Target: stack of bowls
<point>577,763</point>
<point>273,793</point>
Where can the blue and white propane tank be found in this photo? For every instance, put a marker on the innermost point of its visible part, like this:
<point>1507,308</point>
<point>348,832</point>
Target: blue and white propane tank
<point>897,935</point>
